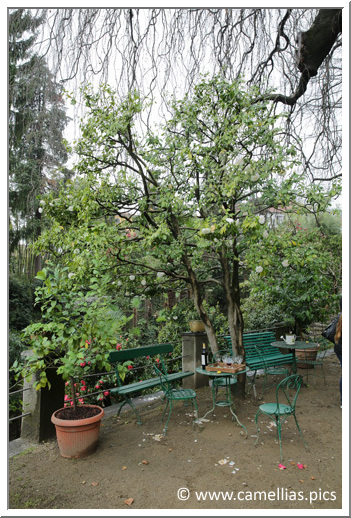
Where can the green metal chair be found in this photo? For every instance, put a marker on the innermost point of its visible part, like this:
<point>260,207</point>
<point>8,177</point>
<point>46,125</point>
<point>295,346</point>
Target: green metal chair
<point>173,395</point>
<point>324,346</point>
<point>284,406</point>
<point>278,370</point>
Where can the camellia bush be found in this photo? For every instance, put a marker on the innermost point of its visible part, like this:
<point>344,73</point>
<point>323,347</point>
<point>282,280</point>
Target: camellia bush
<point>77,330</point>
<point>178,207</point>
<point>298,268</point>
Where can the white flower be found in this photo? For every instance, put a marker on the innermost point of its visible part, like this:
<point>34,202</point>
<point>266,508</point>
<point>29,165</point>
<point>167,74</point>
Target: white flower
<point>205,231</point>
<point>259,269</point>
<point>245,213</point>
<point>70,275</point>
<point>265,233</point>
<point>255,177</point>
<point>160,274</point>
<point>175,317</point>
<point>143,282</point>
<point>119,283</point>
<point>261,219</point>
<point>285,263</point>
<point>70,208</point>
<point>77,251</point>
<point>42,202</point>
<point>40,210</point>
<point>132,277</point>
<point>230,220</point>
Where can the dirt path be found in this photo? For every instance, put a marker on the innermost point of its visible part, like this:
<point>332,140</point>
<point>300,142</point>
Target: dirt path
<point>134,465</point>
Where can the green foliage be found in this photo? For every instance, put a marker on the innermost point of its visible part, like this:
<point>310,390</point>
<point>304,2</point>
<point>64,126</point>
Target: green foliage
<point>77,330</point>
<point>297,269</point>
<point>36,123</point>
<point>21,303</point>
<point>186,207</point>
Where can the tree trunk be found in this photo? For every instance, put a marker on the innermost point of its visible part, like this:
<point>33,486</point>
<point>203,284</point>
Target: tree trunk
<point>235,318</point>
<point>198,301</point>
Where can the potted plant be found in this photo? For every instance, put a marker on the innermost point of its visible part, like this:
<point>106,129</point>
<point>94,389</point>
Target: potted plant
<point>76,332</point>
<point>195,323</point>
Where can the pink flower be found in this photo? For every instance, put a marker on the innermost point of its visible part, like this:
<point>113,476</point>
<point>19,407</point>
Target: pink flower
<point>97,386</point>
<point>106,393</point>
<point>81,400</point>
<point>83,387</point>
<point>281,466</point>
<point>300,466</point>
<point>66,397</point>
<point>148,357</point>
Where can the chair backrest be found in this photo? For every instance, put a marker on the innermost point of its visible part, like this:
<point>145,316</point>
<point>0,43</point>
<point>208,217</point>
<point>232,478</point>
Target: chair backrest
<point>288,390</point>
<point>324,346</point>
<point>165,384</point>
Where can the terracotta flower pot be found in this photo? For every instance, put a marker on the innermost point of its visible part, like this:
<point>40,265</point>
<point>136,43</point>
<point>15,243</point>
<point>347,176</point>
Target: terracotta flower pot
<point>302,356</point>
<point>77,438</point>
<point>196,326</point>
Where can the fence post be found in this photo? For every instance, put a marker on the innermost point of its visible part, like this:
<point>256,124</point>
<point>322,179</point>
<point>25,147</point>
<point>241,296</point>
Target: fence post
<point>41,404</point>
<point>191,352</point>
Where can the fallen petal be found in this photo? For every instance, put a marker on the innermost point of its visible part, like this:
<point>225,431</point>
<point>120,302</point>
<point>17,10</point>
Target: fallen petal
<point>129,501</point>
<point>95,483</point>
<point>281,466</point>
<point>145,462</point>
<point>300,466</point>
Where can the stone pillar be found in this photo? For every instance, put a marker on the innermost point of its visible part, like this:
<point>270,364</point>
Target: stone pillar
<point>41,404</point>
<point>191,352</point>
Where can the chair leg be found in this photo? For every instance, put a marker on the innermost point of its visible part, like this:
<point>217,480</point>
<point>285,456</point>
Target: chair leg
<point>196,412</point>
<point>165,410</point>
<point>257,428</point>
<point>169,415</point>
<point>297,425</point>
<point>279,430</point>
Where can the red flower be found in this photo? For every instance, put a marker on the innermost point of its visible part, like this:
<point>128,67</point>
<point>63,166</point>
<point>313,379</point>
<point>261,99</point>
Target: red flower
<point>83,387</point>
<point>106,393</point>
<point>157,360</point>
<point>130,367</point>
<point>118,347</point>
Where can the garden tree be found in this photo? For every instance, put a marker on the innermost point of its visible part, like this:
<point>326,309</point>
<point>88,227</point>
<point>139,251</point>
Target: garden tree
<point>182,206</point>
<point>297,268</point>
<point>292,55</point>
<point>36,123</point>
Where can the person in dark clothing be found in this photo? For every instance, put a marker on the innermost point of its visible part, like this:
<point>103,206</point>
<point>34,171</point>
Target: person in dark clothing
<point>338,347</point>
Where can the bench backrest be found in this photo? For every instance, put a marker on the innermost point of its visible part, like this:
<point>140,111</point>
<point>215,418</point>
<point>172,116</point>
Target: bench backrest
<point>252,341</point>
<point>138,352</point>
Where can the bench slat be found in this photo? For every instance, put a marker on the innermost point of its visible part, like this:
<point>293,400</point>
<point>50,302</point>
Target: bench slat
<point>150,383</point>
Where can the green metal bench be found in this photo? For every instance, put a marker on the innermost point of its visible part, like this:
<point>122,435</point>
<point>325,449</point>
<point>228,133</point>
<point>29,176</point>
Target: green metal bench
<point>261,355</point>
<point>128,390</point>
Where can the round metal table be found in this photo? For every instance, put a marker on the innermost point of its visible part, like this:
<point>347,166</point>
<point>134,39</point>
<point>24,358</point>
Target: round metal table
<point>298,344</point>
<point>229,378</point>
